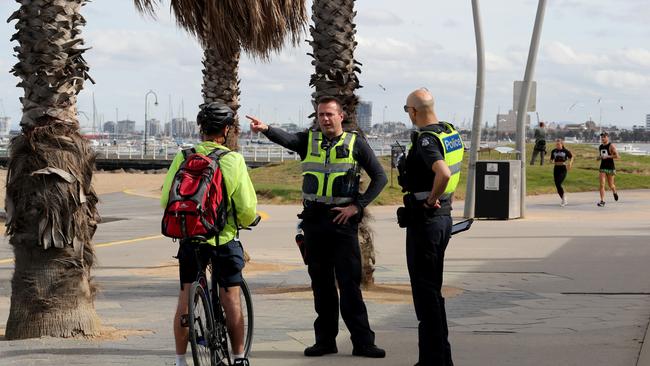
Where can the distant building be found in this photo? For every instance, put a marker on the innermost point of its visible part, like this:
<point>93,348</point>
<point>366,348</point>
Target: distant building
<point>388,128</point>
<point>575,127</point>
<point>591,125</point>
<point>153,127</point>
<point>181,127</point>
<point>647,121</point>
<point>4,126</point>
<point>109,127</point>
<point>364,115</point>
<point>125,127</point>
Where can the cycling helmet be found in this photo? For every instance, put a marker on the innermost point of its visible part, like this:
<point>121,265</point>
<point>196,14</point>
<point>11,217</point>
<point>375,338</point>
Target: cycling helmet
<point>215,116</point>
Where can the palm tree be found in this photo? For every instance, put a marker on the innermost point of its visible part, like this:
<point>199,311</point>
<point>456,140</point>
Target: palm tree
<point>224,29</point>
<point>50,204</point>
<point>335,74</point>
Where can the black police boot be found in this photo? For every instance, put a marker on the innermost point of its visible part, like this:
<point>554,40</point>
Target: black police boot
<point>370,350</point>
<point>320,349</point>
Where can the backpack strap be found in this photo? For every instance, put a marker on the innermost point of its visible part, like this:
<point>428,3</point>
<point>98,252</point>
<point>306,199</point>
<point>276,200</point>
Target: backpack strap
<point>188,152</point>
<point>217,154</point>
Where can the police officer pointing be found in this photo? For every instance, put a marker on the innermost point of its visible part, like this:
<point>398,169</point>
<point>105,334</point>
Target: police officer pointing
<point>429,175</point>
<point>331,159</point>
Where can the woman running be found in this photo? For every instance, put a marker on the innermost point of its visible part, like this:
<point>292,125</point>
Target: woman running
<point>563,160</point>
<point>607,153</point>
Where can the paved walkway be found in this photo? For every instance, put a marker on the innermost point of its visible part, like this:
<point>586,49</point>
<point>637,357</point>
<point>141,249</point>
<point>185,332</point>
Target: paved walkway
<point>564,286</point>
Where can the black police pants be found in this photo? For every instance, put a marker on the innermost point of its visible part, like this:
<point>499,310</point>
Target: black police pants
<point>426,241</point>
<point>333,255</point>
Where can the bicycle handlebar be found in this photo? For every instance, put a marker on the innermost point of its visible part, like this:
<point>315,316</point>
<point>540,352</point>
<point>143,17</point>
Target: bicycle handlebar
<point>257,220</point>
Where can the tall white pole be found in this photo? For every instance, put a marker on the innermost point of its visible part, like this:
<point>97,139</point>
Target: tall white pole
<point>522,110</point>
<point>478,112</point>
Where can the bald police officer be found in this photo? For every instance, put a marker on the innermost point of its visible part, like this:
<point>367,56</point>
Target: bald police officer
<point>429,175</point>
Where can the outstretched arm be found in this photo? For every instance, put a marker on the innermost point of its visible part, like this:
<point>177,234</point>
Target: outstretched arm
<point>293,141</point>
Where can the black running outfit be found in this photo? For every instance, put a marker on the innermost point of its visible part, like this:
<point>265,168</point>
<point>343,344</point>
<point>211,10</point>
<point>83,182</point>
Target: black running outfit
<point>560,171</point>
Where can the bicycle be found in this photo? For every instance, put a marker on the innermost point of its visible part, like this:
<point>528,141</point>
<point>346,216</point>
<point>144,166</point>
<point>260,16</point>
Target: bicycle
<point>209,336</point>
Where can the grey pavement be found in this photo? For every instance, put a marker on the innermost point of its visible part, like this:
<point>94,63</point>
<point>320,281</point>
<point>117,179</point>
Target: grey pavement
<point>564,286</point>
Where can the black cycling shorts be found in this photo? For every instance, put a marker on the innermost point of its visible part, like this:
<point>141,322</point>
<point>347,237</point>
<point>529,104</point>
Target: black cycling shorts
<point>227,262</point>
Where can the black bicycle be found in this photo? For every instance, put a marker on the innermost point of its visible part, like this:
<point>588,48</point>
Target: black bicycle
<point>209,336</point>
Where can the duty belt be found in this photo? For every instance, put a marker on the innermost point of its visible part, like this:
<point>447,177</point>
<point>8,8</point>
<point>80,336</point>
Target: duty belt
<point>327,200</point>
<point>421,196</point>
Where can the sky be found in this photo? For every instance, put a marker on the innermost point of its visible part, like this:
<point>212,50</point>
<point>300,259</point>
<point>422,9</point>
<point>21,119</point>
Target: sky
<point>594,62</point>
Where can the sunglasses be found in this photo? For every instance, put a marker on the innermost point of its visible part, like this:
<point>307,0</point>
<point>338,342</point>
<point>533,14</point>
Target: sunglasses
<point>406,108</point>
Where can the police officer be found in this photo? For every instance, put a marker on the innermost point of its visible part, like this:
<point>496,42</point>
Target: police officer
<point>429,175</point>
<point>331,159</point>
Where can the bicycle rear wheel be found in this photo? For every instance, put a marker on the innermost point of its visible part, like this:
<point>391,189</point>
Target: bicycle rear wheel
<point>247,312</point>
<point>201,325</point>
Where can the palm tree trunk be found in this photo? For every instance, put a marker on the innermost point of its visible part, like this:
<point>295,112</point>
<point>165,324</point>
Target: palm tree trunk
<point>221,83</point>
<point>335,74</point>
<point>50,204</point>
<point>333,44</point>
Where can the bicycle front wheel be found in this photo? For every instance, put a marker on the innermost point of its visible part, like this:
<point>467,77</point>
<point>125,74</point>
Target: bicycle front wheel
<point>201,325</point>
<point>246,306</point>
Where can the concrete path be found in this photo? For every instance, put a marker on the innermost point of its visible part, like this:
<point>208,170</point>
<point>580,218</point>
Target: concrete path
<point>565,286</point>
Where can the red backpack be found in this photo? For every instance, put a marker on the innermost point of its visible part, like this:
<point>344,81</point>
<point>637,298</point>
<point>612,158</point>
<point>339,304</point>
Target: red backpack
<point>198,201</point>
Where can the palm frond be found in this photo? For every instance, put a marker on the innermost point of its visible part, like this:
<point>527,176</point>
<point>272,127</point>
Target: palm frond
<point>258,27</point>
<point>147,7</point>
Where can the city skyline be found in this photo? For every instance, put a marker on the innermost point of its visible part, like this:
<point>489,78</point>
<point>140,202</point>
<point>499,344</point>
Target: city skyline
<point>594,61</point>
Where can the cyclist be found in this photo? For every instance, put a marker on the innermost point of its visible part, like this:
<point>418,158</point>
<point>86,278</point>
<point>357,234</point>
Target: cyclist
<point>226,253</point>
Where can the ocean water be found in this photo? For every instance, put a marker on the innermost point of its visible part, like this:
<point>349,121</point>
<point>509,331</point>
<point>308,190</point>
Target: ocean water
<point>644,147</point>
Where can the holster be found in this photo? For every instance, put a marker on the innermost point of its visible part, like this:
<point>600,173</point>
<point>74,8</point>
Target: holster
<point>404,218</point>
<point>412,212</point>
<point>300,242</point>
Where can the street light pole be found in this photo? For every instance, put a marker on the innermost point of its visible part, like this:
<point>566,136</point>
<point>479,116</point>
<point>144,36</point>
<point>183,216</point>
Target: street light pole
<point>146,104</point>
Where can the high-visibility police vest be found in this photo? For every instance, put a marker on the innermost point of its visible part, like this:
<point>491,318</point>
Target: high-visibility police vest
<point>329,176</point>
<point>453,150</point>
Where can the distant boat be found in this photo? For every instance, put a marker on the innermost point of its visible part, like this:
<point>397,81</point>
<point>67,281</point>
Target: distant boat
<point>633,150</point>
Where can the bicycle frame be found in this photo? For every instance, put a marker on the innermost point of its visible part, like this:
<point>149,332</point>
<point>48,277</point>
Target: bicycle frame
<point>217,338</point>
<point>214,337</point>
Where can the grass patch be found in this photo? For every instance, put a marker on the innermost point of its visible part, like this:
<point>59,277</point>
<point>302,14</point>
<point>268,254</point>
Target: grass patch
<point>281,183</point>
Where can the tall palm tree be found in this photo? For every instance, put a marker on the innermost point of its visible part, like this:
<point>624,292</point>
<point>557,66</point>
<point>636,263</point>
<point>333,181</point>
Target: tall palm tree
<point>335,74</point>
<point>50,203</point>
<point>225,28</point>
